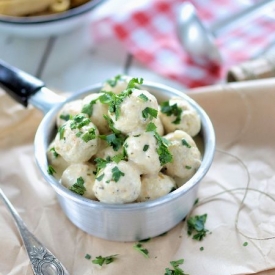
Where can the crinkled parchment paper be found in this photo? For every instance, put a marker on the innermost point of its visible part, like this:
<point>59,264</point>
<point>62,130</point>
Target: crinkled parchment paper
<point>237,194</point>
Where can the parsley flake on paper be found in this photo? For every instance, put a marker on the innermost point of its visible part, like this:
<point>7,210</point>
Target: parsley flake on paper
<point>104,260</point>
<point>195,226</point>
<point>138,247</point>
<point>88,256</point>
<point>78,187</point>
<point>245,244</point>
<point>170,110</point>
<point>176,270</point>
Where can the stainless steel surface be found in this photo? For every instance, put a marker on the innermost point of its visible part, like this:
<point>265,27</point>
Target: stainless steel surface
<point>199,41</point>
<point>42,260</point>
<point>45,99</point>
<point>133,221</point>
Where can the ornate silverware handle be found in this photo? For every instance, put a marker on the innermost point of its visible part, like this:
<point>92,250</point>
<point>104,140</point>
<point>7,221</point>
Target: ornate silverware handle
<point>42,260</point>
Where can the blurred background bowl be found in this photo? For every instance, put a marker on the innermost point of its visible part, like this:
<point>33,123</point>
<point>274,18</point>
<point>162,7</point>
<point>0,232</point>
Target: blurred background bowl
<point>46,25</point>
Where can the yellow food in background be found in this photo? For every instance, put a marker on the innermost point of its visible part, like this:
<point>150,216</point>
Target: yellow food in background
<point>37,7</point>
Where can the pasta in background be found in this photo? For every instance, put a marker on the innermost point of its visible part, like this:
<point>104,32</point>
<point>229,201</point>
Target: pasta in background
<point>37,7</point>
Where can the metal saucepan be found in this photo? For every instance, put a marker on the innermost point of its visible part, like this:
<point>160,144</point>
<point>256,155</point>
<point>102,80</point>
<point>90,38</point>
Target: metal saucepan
<point>127,222</point>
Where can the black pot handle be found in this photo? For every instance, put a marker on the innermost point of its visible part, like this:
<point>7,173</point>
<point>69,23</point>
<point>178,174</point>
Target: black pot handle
<point>18,84</point>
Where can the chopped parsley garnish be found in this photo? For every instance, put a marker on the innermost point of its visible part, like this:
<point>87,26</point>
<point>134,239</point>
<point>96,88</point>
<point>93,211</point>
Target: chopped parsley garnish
<point>104,260</point>
<point>170,110</point>
<point>61,131</point>
<point>176,270</point>
<point>114,140</point>
<point>151,127</point>
<point>141,249</point>
<point>55,154</point>
<point>145,147</point>
<point>116,174</point>
<point>89,108</point>
<point>101,163</point>
<point>111,124</point>
<point>143,97</point>
<point>201,248</point>
<point>78,187</point>
<point>88,256</point>
<point>65,117</point>
<point>195,226</point>
<point>117,158</point>
<point>114,101</point>
<point>79,121</point>
<point>90,135</point>
<point>99,178</point>
<point>134,83</point>
<point>185,143</point>
<point>149,113</point>
<point>78,134</point>
<point>188,167</point>
<point>51,170</point>
<point>113,81</point>
<point>164,154</point>
<point>245,244</point>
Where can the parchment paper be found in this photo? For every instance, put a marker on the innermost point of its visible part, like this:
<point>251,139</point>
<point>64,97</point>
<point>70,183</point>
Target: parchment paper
<point>243,117</point>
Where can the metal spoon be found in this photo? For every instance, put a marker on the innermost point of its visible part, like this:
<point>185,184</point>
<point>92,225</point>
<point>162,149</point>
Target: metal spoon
<point>42,260</point>
<point>199,41</point>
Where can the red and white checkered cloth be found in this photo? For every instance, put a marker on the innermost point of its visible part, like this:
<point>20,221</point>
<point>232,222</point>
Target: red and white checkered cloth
<point>148,32</point>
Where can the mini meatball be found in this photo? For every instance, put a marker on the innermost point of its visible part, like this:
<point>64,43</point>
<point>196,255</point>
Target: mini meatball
<point>178,114</point>
<point>118,183</point>
<point>142,150</point>
<point>108,152</point>
<point>158,123</point>
<point>56,161</point>
<point>154,186</point>
<point>96,111</point>
<point>69,110</point>
<point>80,178</point>
<point>135,112</point>
<point>77,139</point>
<point>116,84</point>
<point>186,156</point>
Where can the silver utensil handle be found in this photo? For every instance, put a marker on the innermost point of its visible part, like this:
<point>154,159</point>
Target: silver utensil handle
<point>42,260</point>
